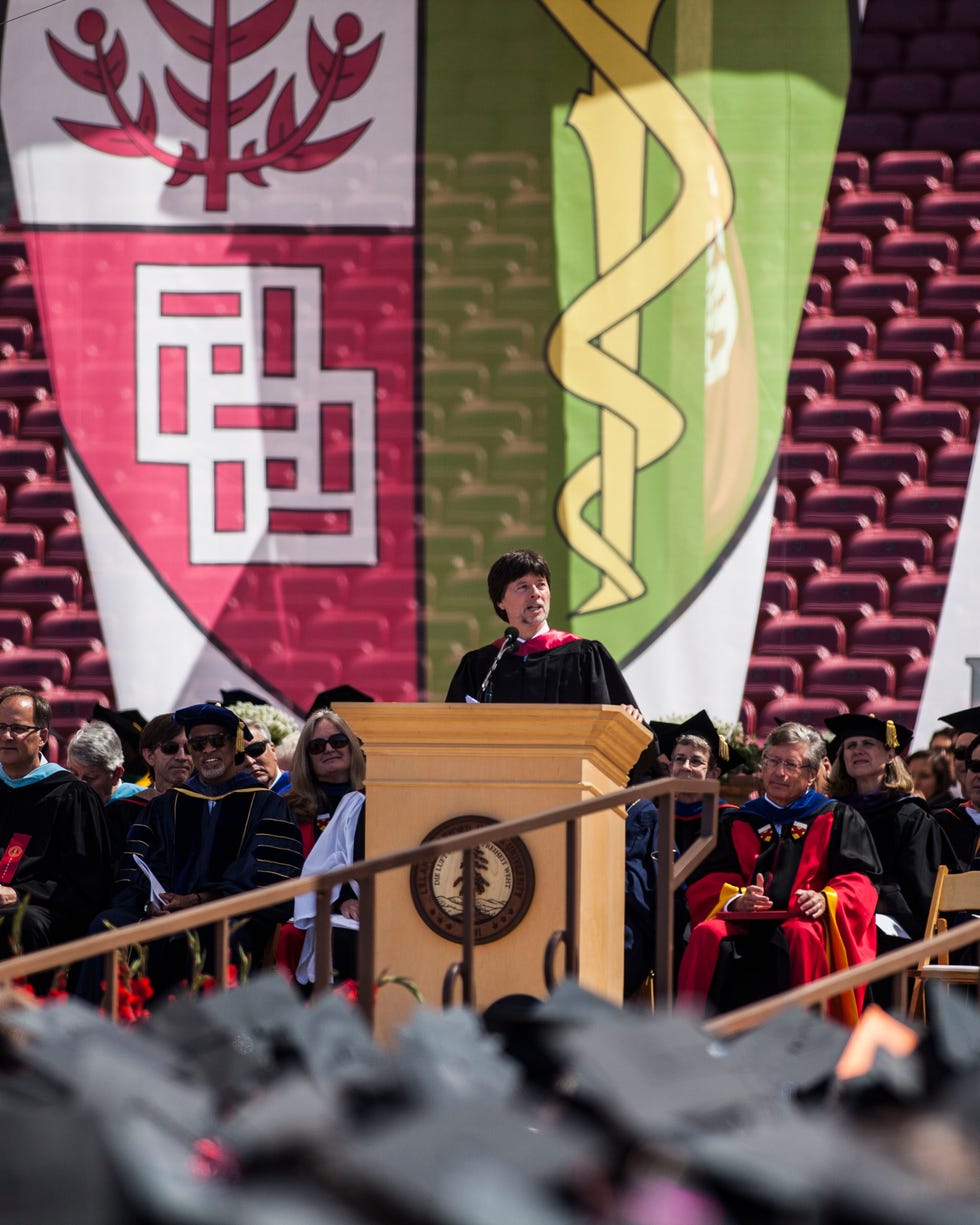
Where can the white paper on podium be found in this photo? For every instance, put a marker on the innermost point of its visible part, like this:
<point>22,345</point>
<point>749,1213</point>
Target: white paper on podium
<point>156,889</point>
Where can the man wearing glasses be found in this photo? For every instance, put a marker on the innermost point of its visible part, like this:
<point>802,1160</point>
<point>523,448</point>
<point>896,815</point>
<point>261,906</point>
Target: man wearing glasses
<point>218,834</point>
<point>961,821</point>
<point>788,894</point>
<point>54,848</point>
<point>260,759</point>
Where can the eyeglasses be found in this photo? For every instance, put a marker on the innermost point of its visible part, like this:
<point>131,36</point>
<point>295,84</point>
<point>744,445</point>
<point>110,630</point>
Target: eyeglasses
<point>18,730</point>
<point>780,763</point>
<point>973,766</point>
<point>171,747</point>
<point>337,741</point>
<point>216,741</point>
<point>694,762</point>
<point>255,748</point>
<point>959,754</point>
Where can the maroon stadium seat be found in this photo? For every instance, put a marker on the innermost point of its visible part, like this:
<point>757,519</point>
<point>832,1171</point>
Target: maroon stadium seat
<point>44,501</point>
<point>836,338</point>
<point>877,295</point>
<point>837,674</point>
<point>27,453</point>
<point>848,595</point>
<point>934,508</point>
<point>852,168</point>
<point>922,341</point>
<point>838,254</point>
<point>9,419</point>
<point>942,51</point>
<point>912,172</point>
<point>803,637</point>
<point>897,639</point>
<point>813,711</point>
<point>907,93</point>
<point>845,508</point>
<point>891,552</point>
<point>802,551</point>
<point>889,465</point>
<point>956,296</point>
<point>39,587</point>
<point>841,423</point>
<point>876,52</point>
<point>24,381</point>
<point>33,667</point>
<point>901,16</point>
<point>70,630</point>
<point>951,464</point>
<point>875,132</point>
<point>71,708</point>
<point>802,465</point>
<point>779,588</point>
<point>784,509</point>
<point>882,381</point>
<point>932,424</point>
<point>15,627</point>
<point>962,15</point>
<point>26,538</point>
<point>872,212</point>
<point>810,373</point>
<point>968,170</point>
<point>912,680</point>
<point>945,548</point>
<point>964,92</point>
<point>819,295</point>
<point>919,595</point>
<point>952,212</point>
<point>776,671</point>
<point>953,131</point>
<point>954,379</point>
<point>891,708</point>
<point>18,333</point>
<point>42,419</point>
<point>91,669</point>
<point>917,255</point>
<point>748,717</point>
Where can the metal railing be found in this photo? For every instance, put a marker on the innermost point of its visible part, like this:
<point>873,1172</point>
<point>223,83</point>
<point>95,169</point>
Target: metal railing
<point>459,970</point>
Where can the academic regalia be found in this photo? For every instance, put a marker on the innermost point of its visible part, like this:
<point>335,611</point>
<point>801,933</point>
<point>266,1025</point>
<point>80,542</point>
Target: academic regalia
<point>221,840</point>
<point>911,847</point>
<point>551,667</point>
<point>826,846</point>
<point>54,846</point>
<point>962,833</point>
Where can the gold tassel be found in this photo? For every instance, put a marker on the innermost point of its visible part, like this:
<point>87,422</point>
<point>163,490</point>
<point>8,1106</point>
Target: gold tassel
<point>240,738</point>
<point>722,748</point>
<point>891,735</point>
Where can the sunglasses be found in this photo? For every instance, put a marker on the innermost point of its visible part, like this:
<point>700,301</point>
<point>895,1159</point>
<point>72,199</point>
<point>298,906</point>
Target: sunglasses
<point>337,741</point>
<point>961,754</point>
<point>217,741</point>
<point>170,747</point>
<point>255,748</point>
<point>973,766</point>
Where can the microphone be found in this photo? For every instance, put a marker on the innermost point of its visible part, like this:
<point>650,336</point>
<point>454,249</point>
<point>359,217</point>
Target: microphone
<point>509,643</point>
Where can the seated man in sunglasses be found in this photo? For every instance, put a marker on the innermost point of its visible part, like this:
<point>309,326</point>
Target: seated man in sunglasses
<point>260,758</point>
<point>218,834</point>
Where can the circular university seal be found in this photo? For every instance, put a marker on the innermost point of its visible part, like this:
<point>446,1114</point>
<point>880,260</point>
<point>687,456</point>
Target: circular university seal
<point>503,876</point>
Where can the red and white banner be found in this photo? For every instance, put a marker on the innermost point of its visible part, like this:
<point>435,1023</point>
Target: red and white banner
<point>219,204</point>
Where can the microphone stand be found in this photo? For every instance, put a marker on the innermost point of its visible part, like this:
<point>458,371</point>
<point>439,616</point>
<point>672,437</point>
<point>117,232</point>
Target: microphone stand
<point>509,643</point>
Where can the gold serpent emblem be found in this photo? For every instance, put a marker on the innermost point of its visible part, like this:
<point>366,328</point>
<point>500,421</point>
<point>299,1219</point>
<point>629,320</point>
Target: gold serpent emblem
<point>593,350</point>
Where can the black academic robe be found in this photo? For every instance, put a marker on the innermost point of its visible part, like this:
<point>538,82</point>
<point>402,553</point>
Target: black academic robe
<point>911,847</point>
<point>571,670</point>
<point>65,865</point>
<point>962,834</point>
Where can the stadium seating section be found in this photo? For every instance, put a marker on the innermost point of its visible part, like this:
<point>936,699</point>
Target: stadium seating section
<point>883,407</point>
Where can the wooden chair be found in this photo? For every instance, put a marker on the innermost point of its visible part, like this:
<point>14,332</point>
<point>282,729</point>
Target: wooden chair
<point>953,891</point>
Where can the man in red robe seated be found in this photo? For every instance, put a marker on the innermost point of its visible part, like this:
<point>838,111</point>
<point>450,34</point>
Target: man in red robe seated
<point>789,892</point>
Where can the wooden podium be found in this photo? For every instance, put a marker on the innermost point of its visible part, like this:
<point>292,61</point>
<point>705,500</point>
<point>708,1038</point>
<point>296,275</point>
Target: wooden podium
<point>428,764</point>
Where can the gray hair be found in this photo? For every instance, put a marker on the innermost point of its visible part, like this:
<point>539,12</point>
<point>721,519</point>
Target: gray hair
<point>254,725</point>
<point>96,744</point>
<point>800,733</point>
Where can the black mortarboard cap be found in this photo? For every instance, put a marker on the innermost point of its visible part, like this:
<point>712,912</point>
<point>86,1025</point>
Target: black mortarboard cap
<point>339,693</point>
<point>795,1051</point>
<point>699,724</point>
<point>127,724</point>
<point>891,734</point>
<point>231,697</point>
<point>964,720</point>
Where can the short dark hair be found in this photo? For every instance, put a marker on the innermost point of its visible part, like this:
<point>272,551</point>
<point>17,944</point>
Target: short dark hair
<point>158,731</point>
<point>42,711</point>
<point>514,565</point>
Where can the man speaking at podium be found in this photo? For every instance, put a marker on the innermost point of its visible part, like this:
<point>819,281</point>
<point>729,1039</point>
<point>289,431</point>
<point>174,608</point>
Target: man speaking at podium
<point>532,663</point>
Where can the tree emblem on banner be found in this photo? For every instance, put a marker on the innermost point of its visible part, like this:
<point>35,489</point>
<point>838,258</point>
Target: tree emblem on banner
<point>289,144</point>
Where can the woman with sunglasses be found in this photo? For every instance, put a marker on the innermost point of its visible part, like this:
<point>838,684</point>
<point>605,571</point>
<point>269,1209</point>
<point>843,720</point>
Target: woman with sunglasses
<point>326,798</point>
<point>870,775</point>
